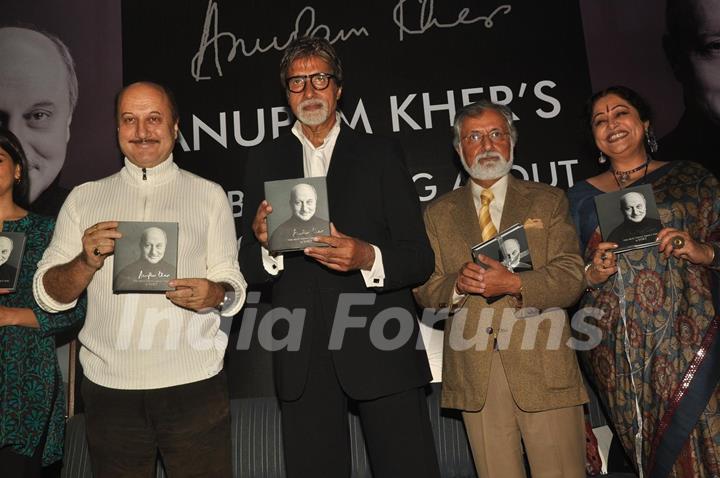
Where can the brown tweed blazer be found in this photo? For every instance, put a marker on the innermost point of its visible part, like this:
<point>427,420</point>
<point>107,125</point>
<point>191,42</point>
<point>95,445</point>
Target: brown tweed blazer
<point>541,369</point>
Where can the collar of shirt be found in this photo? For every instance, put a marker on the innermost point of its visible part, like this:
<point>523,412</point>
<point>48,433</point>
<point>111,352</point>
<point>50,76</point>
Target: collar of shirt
<point>316,161</point>
<point>160,174</point>
<point>499,190</point>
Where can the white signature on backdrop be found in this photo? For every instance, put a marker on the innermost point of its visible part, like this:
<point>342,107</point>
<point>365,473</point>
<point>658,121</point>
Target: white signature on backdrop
<point>427,19</point>
<point>305,25</point>
<point>210,40</point>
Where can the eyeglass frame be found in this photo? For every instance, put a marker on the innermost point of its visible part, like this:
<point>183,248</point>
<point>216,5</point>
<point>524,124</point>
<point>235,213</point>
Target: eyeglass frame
<point>500,136</point>
<point>305,78</point>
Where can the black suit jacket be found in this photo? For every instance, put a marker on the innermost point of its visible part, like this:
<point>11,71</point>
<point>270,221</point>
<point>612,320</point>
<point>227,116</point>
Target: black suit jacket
<point>371,197</point>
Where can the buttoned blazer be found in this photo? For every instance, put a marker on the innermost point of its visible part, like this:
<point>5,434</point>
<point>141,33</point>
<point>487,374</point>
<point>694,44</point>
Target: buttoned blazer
<point>542,375</point>
<point>371,197</point>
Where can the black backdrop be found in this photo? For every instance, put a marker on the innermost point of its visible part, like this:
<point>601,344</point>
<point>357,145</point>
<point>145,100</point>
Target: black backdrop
<point>408,66</point>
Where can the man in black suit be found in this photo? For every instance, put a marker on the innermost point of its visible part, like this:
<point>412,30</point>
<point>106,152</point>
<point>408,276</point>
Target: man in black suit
<point>334,295</point>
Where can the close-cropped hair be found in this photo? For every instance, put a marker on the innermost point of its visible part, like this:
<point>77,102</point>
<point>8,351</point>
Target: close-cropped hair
<point>474,110</point>
<point>174,112</point>
<point>67,59</point>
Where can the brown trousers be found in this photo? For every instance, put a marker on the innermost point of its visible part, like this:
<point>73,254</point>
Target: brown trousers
<point>554,439</point>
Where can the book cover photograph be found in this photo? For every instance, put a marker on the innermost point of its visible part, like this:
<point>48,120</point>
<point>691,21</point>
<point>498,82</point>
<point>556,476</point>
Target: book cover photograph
<point>12,247</point>
<point>145,258</point>
<point>510,247</point>
<point>629,217</point>
<point>300,212</point>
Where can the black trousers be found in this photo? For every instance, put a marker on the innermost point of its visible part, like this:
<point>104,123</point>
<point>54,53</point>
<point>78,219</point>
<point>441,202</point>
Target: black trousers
<point>15,465</point>
<point>188,424</point>
<point>397,429</point>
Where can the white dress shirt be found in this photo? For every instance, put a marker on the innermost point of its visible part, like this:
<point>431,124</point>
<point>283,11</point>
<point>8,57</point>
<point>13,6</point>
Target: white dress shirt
<point>316,162</point>
<point>499,190</point>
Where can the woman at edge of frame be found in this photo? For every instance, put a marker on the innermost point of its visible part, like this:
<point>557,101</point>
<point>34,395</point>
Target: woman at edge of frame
<point>657,365</point>
<point>32,402</point>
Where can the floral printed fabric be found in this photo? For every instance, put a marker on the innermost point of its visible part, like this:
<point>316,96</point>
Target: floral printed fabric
<point>31,390</point>
<point>656,313</point>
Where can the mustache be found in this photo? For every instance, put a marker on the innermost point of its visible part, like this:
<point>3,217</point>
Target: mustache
<point>489,154</point>
<point>311,102</point>
<point>143,141</point>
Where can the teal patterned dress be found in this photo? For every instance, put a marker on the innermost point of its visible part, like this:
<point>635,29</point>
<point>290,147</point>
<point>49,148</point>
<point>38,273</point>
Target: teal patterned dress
<point>31,387</point>
<point>660,327</point>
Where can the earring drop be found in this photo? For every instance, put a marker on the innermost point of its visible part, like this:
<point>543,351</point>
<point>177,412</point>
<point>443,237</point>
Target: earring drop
<point>651,140</point>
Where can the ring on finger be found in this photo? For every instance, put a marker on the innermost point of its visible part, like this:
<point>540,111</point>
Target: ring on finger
<point>603,256</point>
<point>678,242</point>
<point>96,252</point>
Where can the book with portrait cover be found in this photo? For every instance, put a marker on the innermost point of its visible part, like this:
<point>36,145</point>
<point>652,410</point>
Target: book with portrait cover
<point>12,247</point>
<point>509,247</point>
<point>629,217</point>
<point>300,212</point>
<point>145,257</point>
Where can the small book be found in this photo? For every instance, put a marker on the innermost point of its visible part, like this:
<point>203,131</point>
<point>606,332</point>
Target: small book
<point>629,217</point>
<point>12,248</point>
<point>145,257</point>
<point>509,247</point>
<point>300,212</point>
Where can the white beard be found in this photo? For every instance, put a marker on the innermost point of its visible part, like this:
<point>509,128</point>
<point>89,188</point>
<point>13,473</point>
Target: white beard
<point>313,117</point>
<point>491,169</point>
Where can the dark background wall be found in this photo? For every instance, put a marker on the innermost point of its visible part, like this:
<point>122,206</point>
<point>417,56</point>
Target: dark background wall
<point>408,67</point>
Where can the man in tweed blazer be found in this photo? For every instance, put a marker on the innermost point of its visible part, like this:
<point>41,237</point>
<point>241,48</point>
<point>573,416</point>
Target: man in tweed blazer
<point>507,364</point>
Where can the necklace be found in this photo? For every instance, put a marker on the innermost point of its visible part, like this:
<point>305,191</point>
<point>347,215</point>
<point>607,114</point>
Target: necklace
<point>622,177</point>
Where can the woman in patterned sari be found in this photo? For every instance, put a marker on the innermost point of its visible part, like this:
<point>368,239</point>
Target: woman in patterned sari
<point>32,403</point>
<point>657,364</point>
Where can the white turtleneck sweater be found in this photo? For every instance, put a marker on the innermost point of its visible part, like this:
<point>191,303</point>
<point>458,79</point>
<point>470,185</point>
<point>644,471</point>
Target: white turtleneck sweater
<point>144,341</point>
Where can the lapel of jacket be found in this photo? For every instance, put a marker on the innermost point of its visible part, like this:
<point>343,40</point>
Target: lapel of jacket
<point>342,153</point>
<point>517,204</point>
<point>464,218</point>
<point>289,164</point>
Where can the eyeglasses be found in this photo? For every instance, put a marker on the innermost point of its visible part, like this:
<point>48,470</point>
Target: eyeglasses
<point>495,136</point>
<point>319,81</point>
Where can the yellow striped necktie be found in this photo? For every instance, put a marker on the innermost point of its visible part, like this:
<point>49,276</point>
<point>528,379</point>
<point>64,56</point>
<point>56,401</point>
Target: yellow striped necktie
<point>486,225</point>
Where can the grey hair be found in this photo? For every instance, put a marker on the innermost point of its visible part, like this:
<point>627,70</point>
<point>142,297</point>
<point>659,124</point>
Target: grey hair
<point>67,59</point>
<point>476,109</point>
<point>311,46</point>
<point>293,191</point>
<point>146,232</point>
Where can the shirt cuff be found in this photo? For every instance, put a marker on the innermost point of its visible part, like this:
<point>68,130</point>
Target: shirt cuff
<point>230,303</point>
<point>272,264</point>
<point>47,303</point>
<point>375,277</point>
<point>457,298</point>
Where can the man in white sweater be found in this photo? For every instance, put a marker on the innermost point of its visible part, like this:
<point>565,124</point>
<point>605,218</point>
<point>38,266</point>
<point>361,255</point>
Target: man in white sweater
<point>152,362</point>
